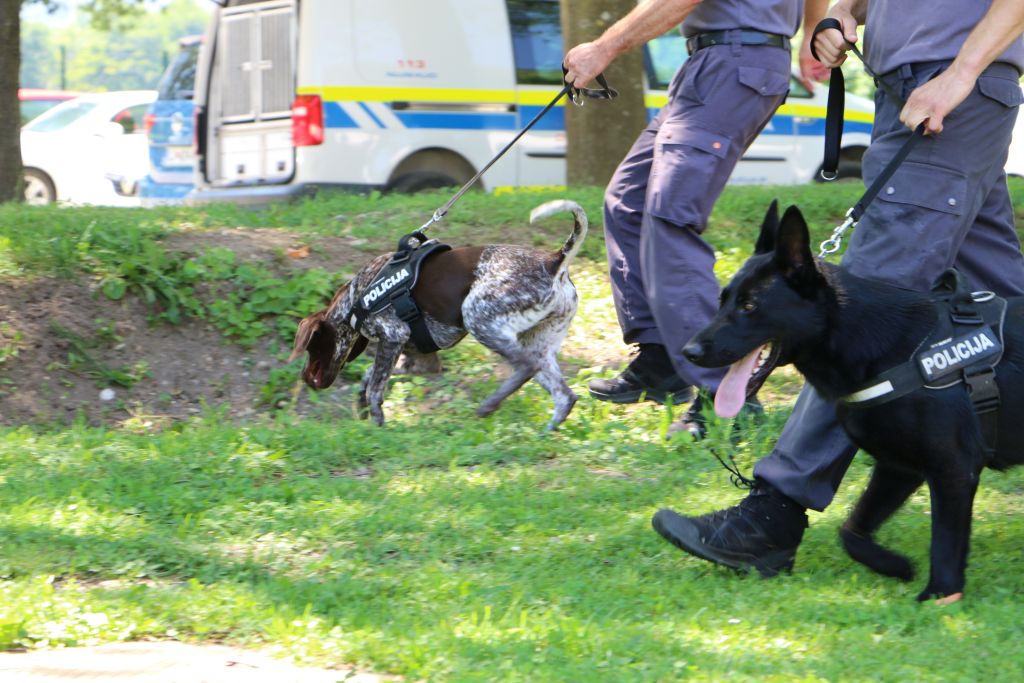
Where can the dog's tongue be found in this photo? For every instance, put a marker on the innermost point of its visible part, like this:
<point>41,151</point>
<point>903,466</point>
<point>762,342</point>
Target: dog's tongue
<point>732,392</point>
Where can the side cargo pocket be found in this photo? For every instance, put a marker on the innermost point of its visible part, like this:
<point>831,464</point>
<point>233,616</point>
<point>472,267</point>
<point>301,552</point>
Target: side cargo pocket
<point>690,168</point>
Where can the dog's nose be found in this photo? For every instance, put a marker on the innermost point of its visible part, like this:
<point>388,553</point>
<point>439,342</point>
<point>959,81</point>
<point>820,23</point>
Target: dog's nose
<point>693,351</point>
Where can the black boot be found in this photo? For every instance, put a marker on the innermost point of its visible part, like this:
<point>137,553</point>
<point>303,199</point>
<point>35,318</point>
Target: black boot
<point>762,532</point>
<point>649,375</point>
<point>694,422</point>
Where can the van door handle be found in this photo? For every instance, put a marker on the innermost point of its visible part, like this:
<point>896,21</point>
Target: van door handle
<point>802,120</point>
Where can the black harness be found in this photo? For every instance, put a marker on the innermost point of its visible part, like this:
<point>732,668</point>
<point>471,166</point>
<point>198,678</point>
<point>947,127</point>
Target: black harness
<point>392,286</point>
<point>964,347</point>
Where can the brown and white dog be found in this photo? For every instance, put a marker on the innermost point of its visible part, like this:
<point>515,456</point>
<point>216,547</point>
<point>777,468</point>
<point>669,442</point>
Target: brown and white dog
<point>516,301</point>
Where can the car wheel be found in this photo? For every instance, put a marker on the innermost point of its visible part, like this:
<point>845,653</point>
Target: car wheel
<point>419,181</point>
<point>39,189</point>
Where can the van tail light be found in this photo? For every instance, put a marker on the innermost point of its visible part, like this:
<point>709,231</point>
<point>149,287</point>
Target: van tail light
<point>147,122</point>
<point>307,121</point>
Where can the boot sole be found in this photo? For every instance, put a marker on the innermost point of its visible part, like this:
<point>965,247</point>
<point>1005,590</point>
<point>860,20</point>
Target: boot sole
<point>641,395</point>
<point>676,530</point>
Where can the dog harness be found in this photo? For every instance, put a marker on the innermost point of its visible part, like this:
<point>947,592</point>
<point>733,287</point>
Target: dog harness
<point>392,286</point>
<point>964,347</point>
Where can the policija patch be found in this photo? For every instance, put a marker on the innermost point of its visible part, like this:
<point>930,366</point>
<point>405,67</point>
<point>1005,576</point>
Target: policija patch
<point>953,354</point>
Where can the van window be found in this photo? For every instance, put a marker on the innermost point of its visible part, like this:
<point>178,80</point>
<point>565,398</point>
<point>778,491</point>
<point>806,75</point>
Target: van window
<point>537,41</point>
<point>179,79</point>
<point>665,55</point>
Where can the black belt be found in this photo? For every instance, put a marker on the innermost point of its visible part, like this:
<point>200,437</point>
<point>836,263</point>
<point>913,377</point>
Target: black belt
<point>744,36</point>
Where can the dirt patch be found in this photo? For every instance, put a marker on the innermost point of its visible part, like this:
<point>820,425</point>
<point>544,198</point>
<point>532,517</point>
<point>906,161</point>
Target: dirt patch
<point>165,662</point>
<point>70,340</point>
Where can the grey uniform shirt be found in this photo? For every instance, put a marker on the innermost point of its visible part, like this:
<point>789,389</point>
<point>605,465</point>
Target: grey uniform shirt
<point>899,32</point>
<point>771,16</point>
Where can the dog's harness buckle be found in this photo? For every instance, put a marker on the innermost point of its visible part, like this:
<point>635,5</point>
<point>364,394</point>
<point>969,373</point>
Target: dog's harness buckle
<point>982,387</point>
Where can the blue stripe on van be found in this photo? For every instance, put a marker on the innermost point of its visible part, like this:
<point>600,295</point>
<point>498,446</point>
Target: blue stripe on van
<point>817,127</point>
<point>336,117</point>
<point>554,120</point>
<point>373,117</point>
<point>457,120</point>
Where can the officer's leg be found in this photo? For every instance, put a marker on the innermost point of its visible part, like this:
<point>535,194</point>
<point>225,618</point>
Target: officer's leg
<point>623,213</point>
<point>695,151</point>
<point>990,255</point>
<point>650,374</point>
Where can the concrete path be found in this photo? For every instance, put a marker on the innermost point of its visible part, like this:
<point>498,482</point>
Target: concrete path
<point>163,662</point>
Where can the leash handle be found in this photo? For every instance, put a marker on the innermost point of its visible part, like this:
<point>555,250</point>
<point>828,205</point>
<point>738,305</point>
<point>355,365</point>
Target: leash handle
<point>835,109</point>
<point>576,94</point>
<point>837,100</point>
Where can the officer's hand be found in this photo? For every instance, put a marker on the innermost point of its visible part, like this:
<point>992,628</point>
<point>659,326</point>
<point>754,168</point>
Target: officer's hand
<point>830,44</point>
<point>933,101</point>
<point>811,70</point>
<point>584,62</point>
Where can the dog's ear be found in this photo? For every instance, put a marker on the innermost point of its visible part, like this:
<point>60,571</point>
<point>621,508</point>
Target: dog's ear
<point>793,245</point>
<point>309,325</point>
<point>770,225</point>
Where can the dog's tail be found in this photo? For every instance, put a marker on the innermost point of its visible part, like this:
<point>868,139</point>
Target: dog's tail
<point>579,230</point>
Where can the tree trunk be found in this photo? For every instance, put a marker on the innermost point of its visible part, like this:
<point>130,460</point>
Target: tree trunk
<point>10,116</point>
<point>600,133</point>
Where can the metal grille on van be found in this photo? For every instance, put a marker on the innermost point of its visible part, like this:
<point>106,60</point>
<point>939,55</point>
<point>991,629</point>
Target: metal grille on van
<point>256,62</point>
<point>236,95</point>
<point>275,48</point>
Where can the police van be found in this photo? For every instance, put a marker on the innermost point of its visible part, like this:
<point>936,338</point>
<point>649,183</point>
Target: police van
<point>294,96</point>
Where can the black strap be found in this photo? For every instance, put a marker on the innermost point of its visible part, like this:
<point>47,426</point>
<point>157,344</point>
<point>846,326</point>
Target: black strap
<point>409,313</point>
<point>869,195</point>
<point>834,121</point>
<point>605,93</point>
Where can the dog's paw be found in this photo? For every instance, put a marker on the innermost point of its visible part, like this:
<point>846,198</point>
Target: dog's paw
<point>486,410</point>
<point>875,557</point>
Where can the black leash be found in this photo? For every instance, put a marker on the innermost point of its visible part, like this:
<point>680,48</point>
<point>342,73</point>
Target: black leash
<point>834,135</point>
<point>606,92</point>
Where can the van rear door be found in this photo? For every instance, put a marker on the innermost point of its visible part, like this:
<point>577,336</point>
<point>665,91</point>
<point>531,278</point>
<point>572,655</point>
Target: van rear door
<point>252,86</point>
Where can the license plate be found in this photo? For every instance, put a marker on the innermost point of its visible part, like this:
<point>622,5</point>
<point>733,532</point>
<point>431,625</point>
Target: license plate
<point>179,156</point>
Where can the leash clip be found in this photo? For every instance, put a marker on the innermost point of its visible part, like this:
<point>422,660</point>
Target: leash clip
<point>436,218</point>
<point>833,243</point>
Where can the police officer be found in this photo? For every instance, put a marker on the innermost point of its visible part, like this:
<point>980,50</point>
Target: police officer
<point>947,205</point>
<point>658,202</point>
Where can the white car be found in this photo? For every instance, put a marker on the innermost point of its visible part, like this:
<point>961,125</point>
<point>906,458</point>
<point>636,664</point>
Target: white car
<point>69,152</point>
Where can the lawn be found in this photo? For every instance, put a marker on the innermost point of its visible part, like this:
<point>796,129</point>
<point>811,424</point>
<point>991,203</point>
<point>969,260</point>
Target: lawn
<point>441,546</point>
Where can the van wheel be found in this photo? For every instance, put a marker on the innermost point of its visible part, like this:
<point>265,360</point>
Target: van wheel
<point>419,181</point>
<point>39,189</point>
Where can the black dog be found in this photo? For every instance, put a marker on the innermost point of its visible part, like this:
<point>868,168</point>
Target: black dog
<point>842,332</point>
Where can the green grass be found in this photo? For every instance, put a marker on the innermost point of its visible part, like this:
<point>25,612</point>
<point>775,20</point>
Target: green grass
<point>445,547</point>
